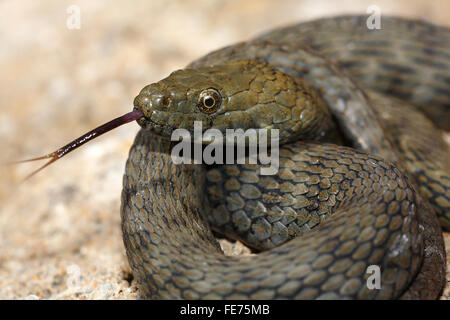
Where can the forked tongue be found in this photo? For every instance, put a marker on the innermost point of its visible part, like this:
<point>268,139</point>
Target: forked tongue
<point>61,152</point>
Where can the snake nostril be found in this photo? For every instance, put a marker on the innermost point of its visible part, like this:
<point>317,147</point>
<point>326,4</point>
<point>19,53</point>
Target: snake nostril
<point>165,101</point>
<point>159,101</point>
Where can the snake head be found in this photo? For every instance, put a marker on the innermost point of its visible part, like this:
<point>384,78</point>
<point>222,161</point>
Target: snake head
<point>240,94</point>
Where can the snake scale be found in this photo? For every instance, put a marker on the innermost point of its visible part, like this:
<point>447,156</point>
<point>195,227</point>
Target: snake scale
<point>364,175</point>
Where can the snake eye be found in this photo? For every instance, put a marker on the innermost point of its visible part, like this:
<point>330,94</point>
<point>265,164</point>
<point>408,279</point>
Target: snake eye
<point>209,101</point>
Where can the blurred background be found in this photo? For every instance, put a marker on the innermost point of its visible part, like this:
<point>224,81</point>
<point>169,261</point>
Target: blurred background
<point>60,231</point>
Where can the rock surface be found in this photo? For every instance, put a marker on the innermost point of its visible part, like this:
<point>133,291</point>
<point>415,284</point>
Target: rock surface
<point>60,232</point>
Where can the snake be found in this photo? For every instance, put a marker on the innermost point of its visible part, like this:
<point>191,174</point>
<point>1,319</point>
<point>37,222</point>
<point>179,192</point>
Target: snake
<point>363,182</point>
<point>364,172</point>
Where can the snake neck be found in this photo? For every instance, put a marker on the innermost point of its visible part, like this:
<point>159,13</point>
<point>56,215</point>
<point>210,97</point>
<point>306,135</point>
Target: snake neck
<point>346,100</point>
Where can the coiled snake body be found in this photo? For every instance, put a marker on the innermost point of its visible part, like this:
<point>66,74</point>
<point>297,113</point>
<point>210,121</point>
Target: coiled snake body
<point>331,211</point>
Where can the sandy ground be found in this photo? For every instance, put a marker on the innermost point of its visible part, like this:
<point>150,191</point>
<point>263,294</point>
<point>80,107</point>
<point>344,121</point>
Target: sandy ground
<point>60,232</point>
